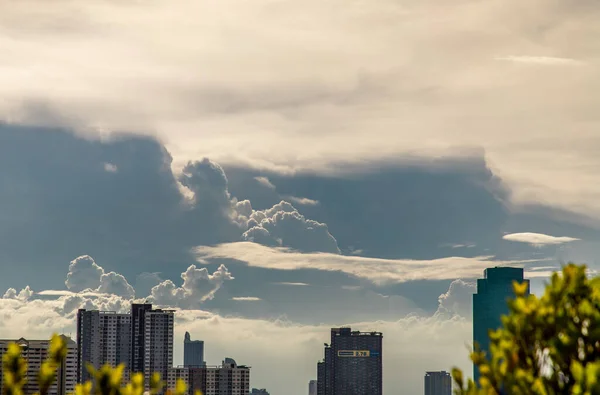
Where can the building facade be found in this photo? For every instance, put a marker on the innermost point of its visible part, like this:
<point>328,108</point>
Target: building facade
<point>438,383</point>
<point>490,303</point>
<point>227,379</point>
<point>158,343</point>
<point>138,337</point>
<point>35,352</point>
<point>312,387</point>
<point>103,337</point>
<point>352,364</point>
<point>193,352</point>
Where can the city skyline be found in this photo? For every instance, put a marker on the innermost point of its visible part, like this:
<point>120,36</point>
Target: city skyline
<point>270,170</point>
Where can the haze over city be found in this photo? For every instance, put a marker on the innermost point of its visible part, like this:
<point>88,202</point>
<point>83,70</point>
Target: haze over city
<point>274,169</point>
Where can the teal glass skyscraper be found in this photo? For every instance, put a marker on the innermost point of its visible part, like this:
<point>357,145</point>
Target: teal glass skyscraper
<point>490,303</point>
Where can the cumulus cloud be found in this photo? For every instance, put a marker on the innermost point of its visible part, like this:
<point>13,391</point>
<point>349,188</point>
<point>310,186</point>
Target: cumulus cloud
<point>110,168</point>
<point>375,270</point>
<point>198,286</point>
<point>83,274</point>
<point>86,275</point>
<point>538,239</point>
<point>458,299</point>
<point>24,295</point>
<point>283,225</point>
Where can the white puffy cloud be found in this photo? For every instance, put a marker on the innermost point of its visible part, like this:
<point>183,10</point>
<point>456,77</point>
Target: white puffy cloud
<point>458,299</point>
<point>283,225</point>
<point>24,295</point>
<point>116,284</point>
<point>538,239</point>
<point>83,274</point>
<point>198,286</point>
<point>376,270</point>
<point>86,275</point>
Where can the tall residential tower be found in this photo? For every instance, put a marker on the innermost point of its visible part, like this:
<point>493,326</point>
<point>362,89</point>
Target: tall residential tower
<point>193,352</point>
<point>438,383</point>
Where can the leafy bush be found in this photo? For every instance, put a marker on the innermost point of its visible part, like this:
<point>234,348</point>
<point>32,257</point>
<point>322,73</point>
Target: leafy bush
<point>548,345</point>
<point>106,380</point>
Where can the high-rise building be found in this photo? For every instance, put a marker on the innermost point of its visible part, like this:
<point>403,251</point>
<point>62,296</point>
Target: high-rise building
<point>35,352</point>
<point>158,342</point>
<point>193,352</point>
<point>490,303</point>
<point>438,383</point>
<point>103,337</point>
<point>227,379</point>
<point>138,327</point>
<point>312,387</point>
<point>321,371</point>
<point>352,364</point>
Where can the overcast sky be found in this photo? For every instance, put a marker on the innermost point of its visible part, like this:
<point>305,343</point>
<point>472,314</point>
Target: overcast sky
<point>275,168</point>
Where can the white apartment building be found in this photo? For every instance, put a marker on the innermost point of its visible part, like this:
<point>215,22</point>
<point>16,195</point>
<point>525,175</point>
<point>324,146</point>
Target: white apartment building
<point>227,379</point>
<point>103,337</point>
<point>158,343</point>
<point>35,352</point>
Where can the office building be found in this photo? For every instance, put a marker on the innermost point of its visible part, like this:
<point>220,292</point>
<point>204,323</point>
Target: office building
<point>193,352</point>
<point>312,387</point>
<point>490,303</point>
<point>352,364</point>
<point>438,383</point>
<point>103,337</point>
<point>227,379</point>
<point>158,342</point>
<point>35,352</point>
<point>321,378</point>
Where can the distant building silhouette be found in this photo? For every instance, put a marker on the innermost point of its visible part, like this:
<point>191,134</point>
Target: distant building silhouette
<point>256,391</point>
<point>438,383</point>
<point>312,387</point>
<point>352,364</point>
<point>490,303</point>
<point>193,352</point>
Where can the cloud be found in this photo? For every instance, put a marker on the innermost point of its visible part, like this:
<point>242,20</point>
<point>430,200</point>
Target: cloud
<point>541,60</point>
<point>283,225</point>
<point>294,284</point>
<point>264,181</point>
<point>111,168</point>
<point>333,90</point>
<point>83,273</point>
<point>458,299</point>
<point>198,286</point>
<point>378,271</point>
<point>86,275</point>
<point>246,299</point>
<point>24,295</point>
<point>538,239</point>
<point>303,201</point>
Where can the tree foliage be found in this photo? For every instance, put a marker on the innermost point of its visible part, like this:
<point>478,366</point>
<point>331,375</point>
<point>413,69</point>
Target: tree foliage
<point>547,345</point>
<point>106,380</point>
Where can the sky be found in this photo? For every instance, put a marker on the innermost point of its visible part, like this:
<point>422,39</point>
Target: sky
<point>272,169</point>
